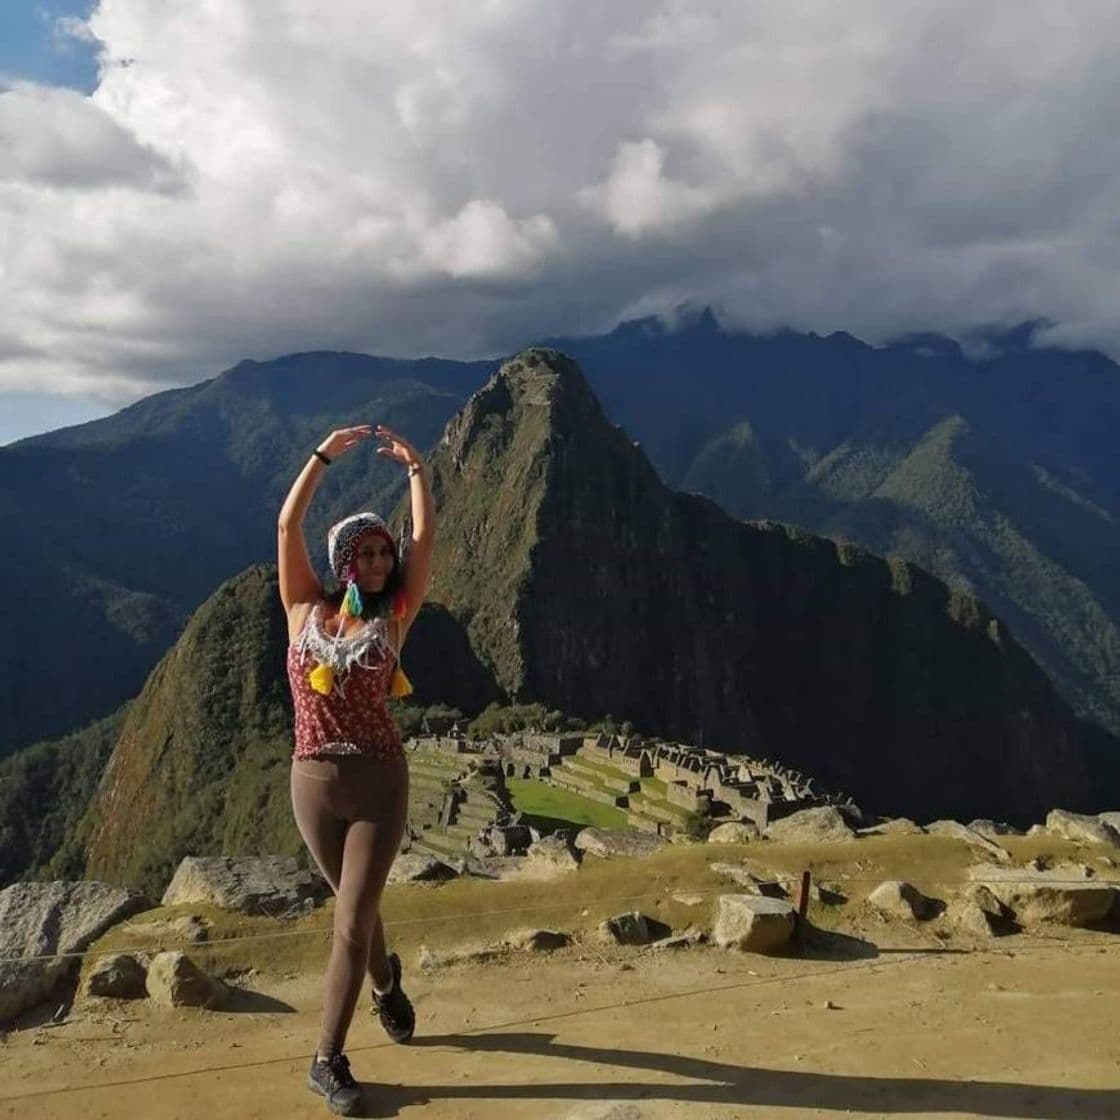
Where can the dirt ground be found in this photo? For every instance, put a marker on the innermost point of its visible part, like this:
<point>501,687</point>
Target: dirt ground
<point>866,1019</point>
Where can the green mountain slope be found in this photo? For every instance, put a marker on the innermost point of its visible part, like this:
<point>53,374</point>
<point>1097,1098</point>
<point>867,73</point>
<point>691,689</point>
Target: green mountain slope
<point>568,574</point>
<point>583,582</point>
<point>127,524</point>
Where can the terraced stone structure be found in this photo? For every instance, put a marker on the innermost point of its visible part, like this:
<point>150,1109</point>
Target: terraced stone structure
<point>457,796</point>
<point>460,803</point>
<point>669,787</point>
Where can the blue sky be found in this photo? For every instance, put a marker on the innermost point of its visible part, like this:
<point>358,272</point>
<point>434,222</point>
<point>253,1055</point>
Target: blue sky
<point>30,49</point>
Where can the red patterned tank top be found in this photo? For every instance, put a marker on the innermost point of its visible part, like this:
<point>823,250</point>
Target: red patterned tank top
<point>353,717</point>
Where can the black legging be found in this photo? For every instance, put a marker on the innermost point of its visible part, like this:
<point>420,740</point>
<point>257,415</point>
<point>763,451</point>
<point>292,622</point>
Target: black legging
<point>351,811</point>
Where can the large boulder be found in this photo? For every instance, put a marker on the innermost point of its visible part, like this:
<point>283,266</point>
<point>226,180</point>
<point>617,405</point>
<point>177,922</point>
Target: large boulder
<point>417,867</point>
<point>40,921</point>
<point>1082,828</point>
<point>275,886</point>
<point>893,826</point>
<point>1053,896</point>
<point>610,842</point>
<point>824,824</point>
<point>752,923</point>
<point>896,899</point>
<point>117,975</point>
<point>550,856</point>
<point>752,880</point>
<point>977,911</point>
<point>510,840</point>
<point>734,832</point>
<point>1111,818</point>
<point>957,831</point>
<point>992,830</point>
<point>633,929</point>
<point>185,928</point>
<point>174,980</point>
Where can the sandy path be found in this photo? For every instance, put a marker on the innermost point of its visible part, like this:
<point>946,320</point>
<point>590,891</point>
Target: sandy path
<point>1028,1031</point>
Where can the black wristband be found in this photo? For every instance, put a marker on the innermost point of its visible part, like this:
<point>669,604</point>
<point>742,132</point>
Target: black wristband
<point>321,457</point>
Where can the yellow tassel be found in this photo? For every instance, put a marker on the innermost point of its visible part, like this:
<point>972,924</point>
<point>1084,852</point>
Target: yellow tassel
<point>399,685</point>
<point>321,679</point>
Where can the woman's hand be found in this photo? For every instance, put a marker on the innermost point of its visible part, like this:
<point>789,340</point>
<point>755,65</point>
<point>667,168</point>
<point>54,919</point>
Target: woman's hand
<point>397,448</point>
<point>342,439</point>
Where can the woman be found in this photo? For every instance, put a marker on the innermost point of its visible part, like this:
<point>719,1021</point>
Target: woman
<point>349,779</point>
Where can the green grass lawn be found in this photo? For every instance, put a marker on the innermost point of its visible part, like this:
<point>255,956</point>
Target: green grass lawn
<point>548,808</point>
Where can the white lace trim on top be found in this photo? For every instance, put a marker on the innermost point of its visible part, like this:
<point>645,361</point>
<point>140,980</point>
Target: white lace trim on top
<point>343,652</point>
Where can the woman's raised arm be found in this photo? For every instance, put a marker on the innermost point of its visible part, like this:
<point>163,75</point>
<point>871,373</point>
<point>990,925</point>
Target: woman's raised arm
<point>418,563</point>
<point>298,581</point>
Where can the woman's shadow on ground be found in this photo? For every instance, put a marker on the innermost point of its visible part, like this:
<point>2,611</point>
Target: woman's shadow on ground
<point>718,1083</point>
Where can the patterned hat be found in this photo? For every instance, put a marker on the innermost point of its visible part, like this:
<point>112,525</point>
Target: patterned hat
<point>343,537</point>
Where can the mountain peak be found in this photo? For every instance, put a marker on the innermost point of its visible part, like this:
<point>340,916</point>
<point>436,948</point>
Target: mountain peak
<point>534,392</point>
<point>583,582</point>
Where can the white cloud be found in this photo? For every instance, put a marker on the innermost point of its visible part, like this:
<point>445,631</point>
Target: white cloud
<point>252,179</point>
<point>637,198</point>
<point>57,138</point>
<point>482,240</point>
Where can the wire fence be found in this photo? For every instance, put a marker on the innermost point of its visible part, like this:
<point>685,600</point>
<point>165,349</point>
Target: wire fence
<point>547,908</point>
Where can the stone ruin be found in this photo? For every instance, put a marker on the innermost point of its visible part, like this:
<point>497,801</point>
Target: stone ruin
<point>661,786</point>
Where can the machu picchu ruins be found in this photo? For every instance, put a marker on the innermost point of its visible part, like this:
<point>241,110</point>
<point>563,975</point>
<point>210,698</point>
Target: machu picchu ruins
<point>460,804</point>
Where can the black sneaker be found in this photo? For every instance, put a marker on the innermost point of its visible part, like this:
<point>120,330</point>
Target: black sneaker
<point>394,1008</point>
<point>332,1079</point>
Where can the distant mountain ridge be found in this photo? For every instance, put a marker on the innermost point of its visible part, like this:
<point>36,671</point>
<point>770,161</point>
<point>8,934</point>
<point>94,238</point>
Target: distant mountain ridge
<point>999,475</point>
<point>583,582</point>
<point>566,572</point>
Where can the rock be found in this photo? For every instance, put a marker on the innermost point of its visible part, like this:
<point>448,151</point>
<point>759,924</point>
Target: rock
<point>752,923</point>
<point>823,824</point>
<point>685,940</point>
<point>1037,830</point>
<point>896,899</point>
<point>969,918</point>
<point>552,854</point>
<point>187,927</point>
<point>538,940</point>
<point>979,912</point>
<point>741,876</point>
<point>828,894</point>
<point>417,867</point>
<point>958,831</point>
<point>1081,828</point>
<point>753,880</point>
<point>1112,819</point>
<point>271,885</point>
<point>174,980</point>
<point>734,832</point>
<point>688,899</point>
<point>117,975</point>
<point>983,899</point>
<point>607,843</point>
<point>1047,897</point>
<point>633,929</point>
<point>510,840</point>
<point>895,826</point>
<point>990,830</point>
<point>41,919</point>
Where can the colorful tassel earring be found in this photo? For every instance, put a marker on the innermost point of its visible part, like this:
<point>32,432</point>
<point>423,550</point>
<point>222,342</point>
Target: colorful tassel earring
<point>352,603</point>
